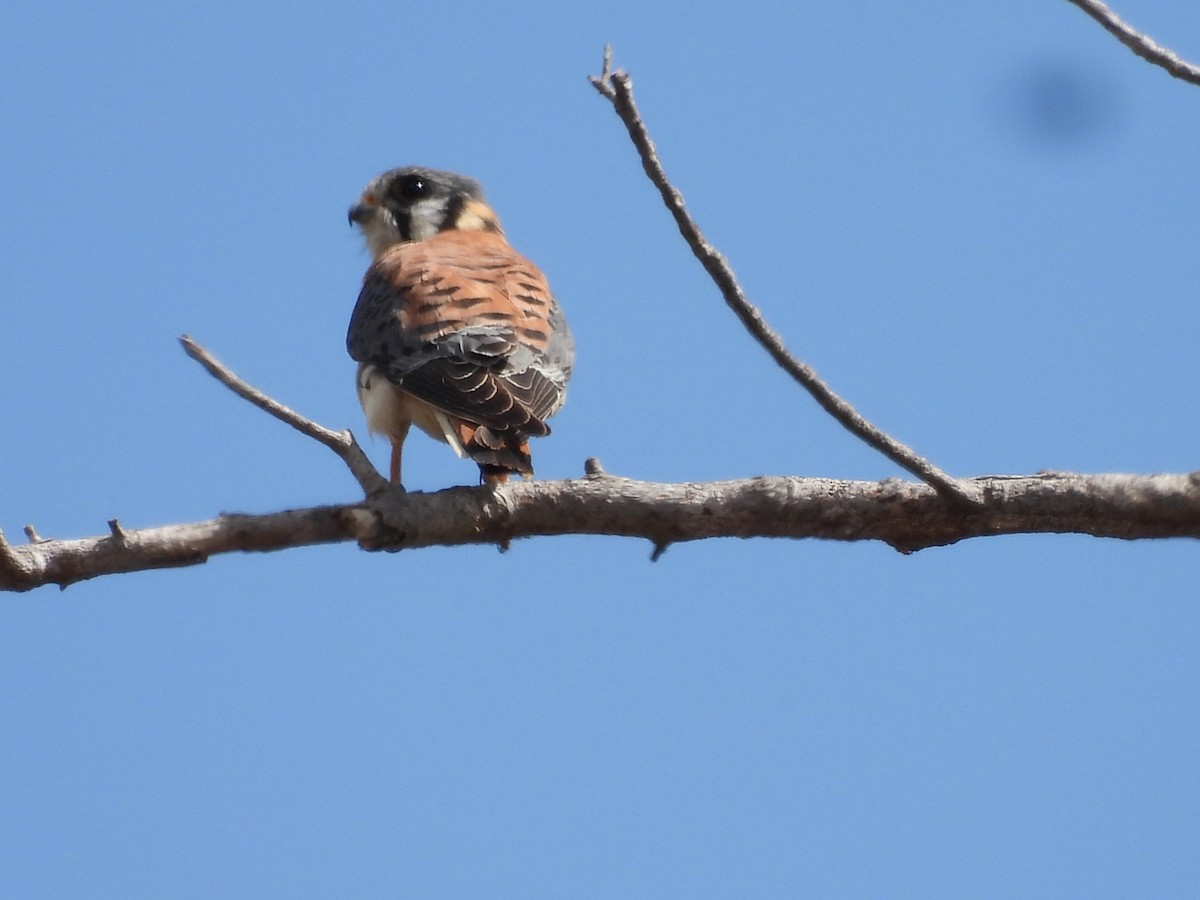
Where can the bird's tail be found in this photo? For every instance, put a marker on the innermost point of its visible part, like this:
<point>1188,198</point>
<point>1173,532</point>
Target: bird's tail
<point>498,453</point>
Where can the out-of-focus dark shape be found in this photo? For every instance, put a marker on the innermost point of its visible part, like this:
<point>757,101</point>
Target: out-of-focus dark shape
<point>1065,103</point>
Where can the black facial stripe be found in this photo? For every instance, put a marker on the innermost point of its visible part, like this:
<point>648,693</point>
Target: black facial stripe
<point>454,209</point>
<point>403,223</point>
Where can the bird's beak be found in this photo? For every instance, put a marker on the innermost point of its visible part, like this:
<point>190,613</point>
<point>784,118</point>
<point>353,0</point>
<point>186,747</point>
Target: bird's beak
<point>360,212</point>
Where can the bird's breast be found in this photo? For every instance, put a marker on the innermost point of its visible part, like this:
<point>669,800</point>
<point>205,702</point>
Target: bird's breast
<point>390,411</point>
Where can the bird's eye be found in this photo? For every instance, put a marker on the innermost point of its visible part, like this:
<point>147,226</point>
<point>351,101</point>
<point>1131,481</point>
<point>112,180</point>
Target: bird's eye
<point>413,187</point>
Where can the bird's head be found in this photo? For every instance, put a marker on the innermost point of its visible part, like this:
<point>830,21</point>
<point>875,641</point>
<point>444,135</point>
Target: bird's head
<point>415,203</point>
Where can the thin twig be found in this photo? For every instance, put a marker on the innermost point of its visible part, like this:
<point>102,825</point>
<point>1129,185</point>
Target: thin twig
<point>600,82</point>
<point>1139,43</point>
<point>617,88</point>
<point>340,442</point>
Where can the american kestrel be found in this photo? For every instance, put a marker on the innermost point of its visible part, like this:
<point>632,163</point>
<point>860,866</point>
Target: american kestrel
<point>454,331</point>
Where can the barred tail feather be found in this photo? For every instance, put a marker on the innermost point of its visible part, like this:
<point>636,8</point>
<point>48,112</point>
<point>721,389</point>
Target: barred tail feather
<point>498,454</point>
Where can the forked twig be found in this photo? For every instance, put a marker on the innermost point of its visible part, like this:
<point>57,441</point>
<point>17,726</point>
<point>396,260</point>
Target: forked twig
<point>617,88</point>
<point>1139,43</point>
<point>340,442</point>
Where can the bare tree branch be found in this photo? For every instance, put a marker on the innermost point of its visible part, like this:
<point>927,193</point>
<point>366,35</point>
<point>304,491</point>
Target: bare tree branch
<point>64,562</point>
<point>617,87</point>
<point>1139,43</point>
<point>340,442</point>
<point>905,515</point>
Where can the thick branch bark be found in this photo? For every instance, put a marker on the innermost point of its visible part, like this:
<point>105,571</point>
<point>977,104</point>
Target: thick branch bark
<point>905,515</point>
<point>65,562</point>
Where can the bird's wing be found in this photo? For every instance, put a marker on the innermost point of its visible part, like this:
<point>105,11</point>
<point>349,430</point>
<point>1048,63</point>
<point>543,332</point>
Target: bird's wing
<point>465,323</point>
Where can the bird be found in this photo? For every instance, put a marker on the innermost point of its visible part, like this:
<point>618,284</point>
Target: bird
<point>454,331</point>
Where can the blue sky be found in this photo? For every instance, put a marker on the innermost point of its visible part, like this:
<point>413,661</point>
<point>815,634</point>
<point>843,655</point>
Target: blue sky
<point>977,224</point>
